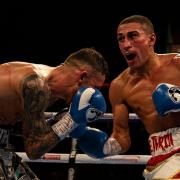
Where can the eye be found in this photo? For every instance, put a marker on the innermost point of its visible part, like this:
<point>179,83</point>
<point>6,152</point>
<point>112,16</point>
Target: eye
<point>120,38</point>
<point>133,35</point>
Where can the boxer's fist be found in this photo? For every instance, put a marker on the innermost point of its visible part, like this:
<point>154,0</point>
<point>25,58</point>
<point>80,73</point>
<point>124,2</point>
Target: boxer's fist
<point>88,104</point>
<point>166,98</point>
<point>92,142</point>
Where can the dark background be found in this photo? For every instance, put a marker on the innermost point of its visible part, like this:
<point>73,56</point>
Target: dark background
<point>48,32</point>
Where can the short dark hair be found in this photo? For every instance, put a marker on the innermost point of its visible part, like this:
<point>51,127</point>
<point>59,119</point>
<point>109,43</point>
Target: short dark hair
<point>146,22</point>
<point>91,57</point>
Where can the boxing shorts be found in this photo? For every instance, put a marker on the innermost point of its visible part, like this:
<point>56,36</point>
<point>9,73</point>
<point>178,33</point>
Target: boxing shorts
<point>165,151</point>
<point>11,165</point>
<point>4,137</point>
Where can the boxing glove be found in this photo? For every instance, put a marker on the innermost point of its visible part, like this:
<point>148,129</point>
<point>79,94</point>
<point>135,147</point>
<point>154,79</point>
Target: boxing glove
<point>92,142</point>
<point>95,143</point>
<point>88,104</point>
<point>166,98</point>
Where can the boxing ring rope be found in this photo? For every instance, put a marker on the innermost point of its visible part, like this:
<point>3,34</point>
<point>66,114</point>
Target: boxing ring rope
<point>85,159</point>
<point>109,116</point>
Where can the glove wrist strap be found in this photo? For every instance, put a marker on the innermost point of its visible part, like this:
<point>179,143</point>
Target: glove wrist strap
<point>64,126</point>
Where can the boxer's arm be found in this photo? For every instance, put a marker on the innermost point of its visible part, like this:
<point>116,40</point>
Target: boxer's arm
<point>39,137</point>
<point>121,127</point>
<point>120,114</point>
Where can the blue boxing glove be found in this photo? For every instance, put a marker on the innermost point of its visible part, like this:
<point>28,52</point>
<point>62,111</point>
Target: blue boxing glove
<point>166,98</point>
<point>96,144</point>
<point>92,142</point>
<point>88,104</point>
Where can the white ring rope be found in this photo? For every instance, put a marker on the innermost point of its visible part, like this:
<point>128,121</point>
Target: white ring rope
<point>110,116</point>
<point>85,159</point>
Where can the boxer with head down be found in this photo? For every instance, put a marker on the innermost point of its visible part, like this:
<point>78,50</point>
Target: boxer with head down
<point>28,89</point>
<point>150,86</point>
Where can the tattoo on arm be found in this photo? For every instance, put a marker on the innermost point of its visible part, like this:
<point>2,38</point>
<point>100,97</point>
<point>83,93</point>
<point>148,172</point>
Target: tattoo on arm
<point>38,134</point>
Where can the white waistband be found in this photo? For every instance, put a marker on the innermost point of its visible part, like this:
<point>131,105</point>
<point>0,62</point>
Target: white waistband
<point>164,142</point>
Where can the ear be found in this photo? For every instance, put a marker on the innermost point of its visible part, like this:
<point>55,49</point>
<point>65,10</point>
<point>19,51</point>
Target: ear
<point>83,75</point>
<point>152,39</point>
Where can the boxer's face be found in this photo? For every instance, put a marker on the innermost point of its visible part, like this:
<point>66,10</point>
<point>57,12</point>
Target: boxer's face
<point>135,43</point>
<point>96,81</point>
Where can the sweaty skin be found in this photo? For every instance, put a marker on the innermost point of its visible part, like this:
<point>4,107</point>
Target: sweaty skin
<point>27,90</point>
<point>134,86</point>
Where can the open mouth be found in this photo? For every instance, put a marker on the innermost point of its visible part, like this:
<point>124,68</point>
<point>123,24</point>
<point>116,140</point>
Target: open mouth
<point>130,56</point>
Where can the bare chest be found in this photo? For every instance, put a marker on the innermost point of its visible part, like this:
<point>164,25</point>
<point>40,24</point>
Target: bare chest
<point>138,91</point>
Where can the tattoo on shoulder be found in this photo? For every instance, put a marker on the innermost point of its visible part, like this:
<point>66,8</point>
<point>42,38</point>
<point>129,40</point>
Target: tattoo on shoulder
<point>36,94</point>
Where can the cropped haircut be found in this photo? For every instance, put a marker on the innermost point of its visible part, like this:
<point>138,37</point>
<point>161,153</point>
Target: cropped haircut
<point>144,21</point>
<point>90,57</point>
